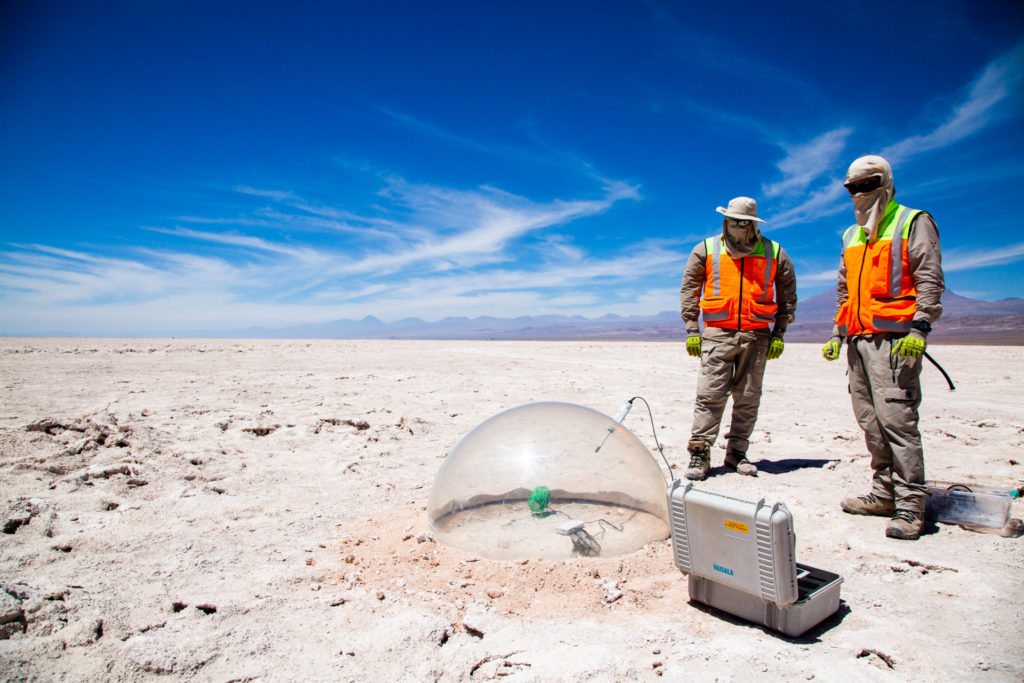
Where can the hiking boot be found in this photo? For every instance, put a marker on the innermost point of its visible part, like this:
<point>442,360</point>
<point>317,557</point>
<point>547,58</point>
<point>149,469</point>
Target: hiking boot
<point>905,524</point>
<point>868,505</point>
<point>700,462</point>
<point>737,460</point>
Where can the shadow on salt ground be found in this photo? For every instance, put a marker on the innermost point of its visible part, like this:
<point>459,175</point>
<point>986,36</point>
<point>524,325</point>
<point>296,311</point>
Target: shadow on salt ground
<point>787,465</point>
<point>783,466</point>
<point>809,637</point>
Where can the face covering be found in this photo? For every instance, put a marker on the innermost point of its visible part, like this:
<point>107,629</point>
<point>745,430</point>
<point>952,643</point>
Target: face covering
<point>739,242</point>
<point>869,209</point>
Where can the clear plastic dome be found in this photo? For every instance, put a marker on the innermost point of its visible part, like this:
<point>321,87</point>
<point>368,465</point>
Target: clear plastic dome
<point>549,480</point>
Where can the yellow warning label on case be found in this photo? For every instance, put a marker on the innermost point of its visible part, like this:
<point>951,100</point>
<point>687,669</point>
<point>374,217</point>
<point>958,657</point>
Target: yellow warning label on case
<point>737,526</point>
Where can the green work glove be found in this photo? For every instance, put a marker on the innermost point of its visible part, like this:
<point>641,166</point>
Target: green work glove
<point>775,347</point>
<point>911,346</point>
<point>693,345</point>
<point>831,350</point>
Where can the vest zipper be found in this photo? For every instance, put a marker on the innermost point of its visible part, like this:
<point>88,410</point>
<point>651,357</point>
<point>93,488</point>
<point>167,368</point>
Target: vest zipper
<point>739,316</point>
<point>860,281</point>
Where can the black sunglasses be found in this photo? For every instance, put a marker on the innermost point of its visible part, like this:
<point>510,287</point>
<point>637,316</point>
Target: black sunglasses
<point>740,223</point>
<point>865,185</point>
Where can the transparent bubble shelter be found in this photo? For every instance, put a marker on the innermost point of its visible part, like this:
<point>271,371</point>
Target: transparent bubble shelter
<point>549,480</point>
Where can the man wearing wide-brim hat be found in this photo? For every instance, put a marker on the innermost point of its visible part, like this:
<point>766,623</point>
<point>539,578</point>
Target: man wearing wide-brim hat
<point>744,287</point>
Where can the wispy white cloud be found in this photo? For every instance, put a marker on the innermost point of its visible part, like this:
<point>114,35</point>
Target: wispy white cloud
<point>828,275</point>
<point>469,228</point>
<point>555,275</point>
<point>989,97</point>
<point>1000,82</point>
<point>805,163</point>
<point>276,195</point>
<point>720,118</point>
<point>219,296</point>
<point>827,201</point>
<point>36,287</point>
<point>555,287</point>
<point>246,241</point>
<point>500,150</point>
<point>558,244</point>
<point>431,130</point>
<point>288,211</point>
<point>971,259</point>
<point>449,251</point>
<point>720,54</point>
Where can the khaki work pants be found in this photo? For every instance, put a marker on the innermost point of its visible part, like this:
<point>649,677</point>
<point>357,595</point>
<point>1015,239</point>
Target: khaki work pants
<point>886,394</point>
<point>732,363</point>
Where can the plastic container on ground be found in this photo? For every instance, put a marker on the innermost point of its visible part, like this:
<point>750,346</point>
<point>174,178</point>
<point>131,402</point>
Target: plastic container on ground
<point>959,503</point>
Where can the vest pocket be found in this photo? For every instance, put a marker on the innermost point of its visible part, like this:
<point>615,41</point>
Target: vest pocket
<point>763,312</point>
<point>716,308</point>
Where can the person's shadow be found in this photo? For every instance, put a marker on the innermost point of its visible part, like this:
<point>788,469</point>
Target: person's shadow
<point>787,465</point>
<point>783,466</point>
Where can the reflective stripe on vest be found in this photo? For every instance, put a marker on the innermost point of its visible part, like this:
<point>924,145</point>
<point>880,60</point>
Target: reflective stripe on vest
<point>896,247</point>
<point>716,268</point>
<point>769,258</point>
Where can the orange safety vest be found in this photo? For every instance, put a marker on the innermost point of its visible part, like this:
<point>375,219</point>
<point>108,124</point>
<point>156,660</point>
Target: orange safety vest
<point>739,294</point>
<point>881,294</point>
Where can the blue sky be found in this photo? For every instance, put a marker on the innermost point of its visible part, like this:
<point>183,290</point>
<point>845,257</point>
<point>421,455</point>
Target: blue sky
<point>169,167</point>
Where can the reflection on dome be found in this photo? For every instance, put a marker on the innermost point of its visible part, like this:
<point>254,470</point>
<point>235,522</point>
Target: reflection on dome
<point>549,480</point>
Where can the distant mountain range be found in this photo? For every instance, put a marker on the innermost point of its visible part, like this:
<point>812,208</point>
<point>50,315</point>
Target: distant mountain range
<point>665,325</point>
<point>964,321</point>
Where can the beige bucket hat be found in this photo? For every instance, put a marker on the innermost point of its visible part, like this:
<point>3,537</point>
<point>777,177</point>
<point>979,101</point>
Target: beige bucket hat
<point>741,208</point>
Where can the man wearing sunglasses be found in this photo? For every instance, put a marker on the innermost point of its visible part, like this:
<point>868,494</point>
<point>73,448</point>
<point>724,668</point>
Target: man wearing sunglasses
<point>744,286</point>
<point>889,291</point>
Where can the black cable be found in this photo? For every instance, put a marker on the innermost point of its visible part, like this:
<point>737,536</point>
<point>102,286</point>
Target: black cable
<point>935,363</point>
<point>655,432</point>
<point>602,520</point>
<point>894,361</point>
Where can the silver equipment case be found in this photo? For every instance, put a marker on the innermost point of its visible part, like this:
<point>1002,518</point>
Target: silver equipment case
<point>740,558</point>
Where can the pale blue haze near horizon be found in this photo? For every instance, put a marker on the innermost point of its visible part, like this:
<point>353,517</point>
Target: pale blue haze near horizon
<point>172,166</point>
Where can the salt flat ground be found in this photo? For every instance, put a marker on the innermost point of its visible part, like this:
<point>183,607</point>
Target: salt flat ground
<point>254,510</point>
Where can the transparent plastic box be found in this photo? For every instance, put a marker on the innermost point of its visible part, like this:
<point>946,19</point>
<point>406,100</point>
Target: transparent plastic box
<point>959,503</point>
